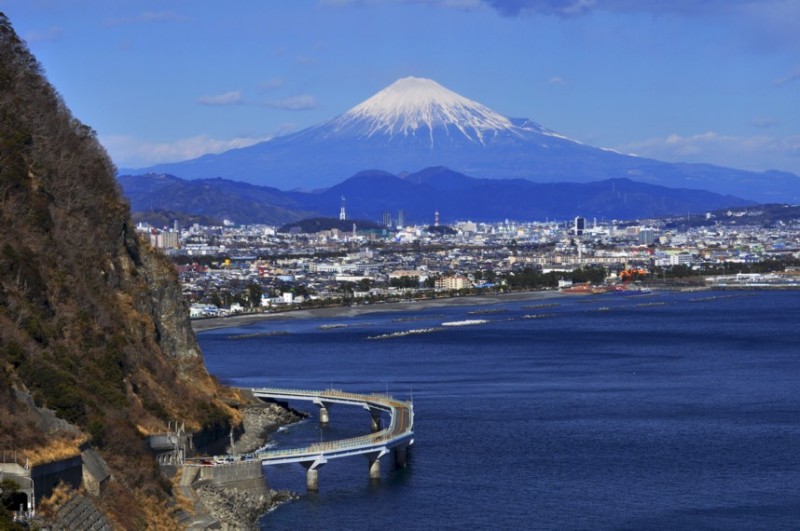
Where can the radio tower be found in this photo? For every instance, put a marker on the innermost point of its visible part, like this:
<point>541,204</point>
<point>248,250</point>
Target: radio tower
<point>342,214</point>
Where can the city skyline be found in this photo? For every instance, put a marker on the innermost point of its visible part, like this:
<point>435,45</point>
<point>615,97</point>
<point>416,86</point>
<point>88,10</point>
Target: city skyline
<point>165,81</point>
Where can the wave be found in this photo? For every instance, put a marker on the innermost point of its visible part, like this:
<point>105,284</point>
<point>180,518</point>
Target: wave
<point>488,312</point>
<point>539,306</point>
<point>417,318</point>
<point>405,333</point>
<point>538,316</point>
<point>466,322</point>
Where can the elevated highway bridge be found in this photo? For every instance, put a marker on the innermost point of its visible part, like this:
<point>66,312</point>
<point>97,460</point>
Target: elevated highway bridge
<point>393,439</point>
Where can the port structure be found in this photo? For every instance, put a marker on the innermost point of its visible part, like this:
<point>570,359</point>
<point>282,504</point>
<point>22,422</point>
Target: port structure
<point>393,439</point>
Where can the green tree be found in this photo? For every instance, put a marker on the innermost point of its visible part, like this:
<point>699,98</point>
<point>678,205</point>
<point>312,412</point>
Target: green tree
<point>405,281</point>
<point>680,271</point>
<point>254,293</point>
<point>216,300</point>
<point>487,275</point>
<point>301,290</point>
<point>594,274</point>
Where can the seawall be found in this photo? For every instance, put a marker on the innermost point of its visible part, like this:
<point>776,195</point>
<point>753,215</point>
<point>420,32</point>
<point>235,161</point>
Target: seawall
<point>245,475</point>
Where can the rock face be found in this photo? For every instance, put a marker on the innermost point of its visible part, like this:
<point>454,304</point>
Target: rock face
<point>240,509</point>
<point>259,421</point>
<point>93,328</point>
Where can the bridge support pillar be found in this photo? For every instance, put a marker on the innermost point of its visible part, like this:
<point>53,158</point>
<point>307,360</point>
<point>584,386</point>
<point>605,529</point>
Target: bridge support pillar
<point>312,479</point>
<point>374,467</point>
<point>400,456</point>
<point>375,414</point>
<point>375,463</point>
<point>324,417</point>
<point>312,472</point>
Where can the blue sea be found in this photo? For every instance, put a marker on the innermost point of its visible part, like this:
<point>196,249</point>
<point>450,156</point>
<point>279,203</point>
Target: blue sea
<point>660,411</point>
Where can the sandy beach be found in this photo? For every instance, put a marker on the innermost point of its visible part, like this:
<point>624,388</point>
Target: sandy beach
<point>200,325</point>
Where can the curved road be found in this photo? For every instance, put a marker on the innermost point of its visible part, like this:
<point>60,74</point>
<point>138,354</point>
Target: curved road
<point>399,433</point>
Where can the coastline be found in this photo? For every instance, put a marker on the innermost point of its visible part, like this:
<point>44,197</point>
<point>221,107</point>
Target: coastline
<point>334,312</point>
<point>241,503</point>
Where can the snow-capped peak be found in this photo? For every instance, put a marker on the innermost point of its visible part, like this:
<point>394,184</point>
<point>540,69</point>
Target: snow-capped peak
<point>413,103</point>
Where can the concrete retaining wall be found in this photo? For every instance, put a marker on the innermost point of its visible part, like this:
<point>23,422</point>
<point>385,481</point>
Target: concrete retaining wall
<point>47,476</point>
<point>13,468</point>
<point>241,474</point>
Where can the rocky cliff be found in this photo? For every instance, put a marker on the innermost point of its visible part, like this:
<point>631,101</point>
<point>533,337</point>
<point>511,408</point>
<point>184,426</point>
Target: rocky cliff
<point>95,342</point>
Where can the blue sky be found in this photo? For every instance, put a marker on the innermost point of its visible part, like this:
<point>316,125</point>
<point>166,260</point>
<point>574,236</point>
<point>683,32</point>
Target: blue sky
<point>681,80</point>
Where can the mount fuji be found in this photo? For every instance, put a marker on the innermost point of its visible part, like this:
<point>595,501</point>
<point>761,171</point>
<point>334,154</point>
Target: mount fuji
<point>417,123</point>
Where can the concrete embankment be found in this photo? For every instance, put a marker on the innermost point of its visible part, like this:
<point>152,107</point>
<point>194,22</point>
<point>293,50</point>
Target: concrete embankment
<point>233,496</point>
<point>236,495</point>
<point>244,475</point>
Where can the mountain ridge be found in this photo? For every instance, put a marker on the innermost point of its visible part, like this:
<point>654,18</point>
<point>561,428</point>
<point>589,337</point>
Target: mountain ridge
<point>417,123</point>
<point>457,196</point>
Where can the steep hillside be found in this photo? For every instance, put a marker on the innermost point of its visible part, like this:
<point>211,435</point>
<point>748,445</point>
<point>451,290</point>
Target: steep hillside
<point>95,342</point>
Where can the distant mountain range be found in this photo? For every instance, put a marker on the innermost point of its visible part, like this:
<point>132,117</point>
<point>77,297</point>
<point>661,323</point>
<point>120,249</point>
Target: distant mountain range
<point>417,123</point>
<point>368,195</point>
<point>212,198</point>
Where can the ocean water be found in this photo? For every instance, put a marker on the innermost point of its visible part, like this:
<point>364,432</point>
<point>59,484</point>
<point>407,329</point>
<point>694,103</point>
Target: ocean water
<point>660,411</point>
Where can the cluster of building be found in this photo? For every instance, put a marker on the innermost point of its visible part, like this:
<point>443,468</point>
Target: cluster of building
<point>236,268</point>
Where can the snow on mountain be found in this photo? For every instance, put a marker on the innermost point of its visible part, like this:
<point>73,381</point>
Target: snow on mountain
<point>412,104</point>
<point>421,107</point>
<point>416,123</point>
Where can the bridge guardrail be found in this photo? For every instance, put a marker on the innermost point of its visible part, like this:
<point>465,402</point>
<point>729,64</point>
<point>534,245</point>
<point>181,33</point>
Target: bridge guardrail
<point>379,438</point>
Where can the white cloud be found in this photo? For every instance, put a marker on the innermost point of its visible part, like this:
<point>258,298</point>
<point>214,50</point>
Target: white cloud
<point>764,122</point>
<point>767,24</point>
<point>131,152</point>
<point>794,75</point>
<point>233,97</point>
<point>557,80</point>
<point>270,84</point>
<point>146,17</point>
<point>303,102</point>
<point>757,152</point>
<point>460,4</point>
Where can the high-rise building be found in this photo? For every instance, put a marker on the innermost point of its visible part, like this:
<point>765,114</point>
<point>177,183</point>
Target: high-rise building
<point>342,213</point>
<point>647,236</point>
<point>401,218</point>
<point>164,239</point>
<point>387,218</point>
<point>579,226</point>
